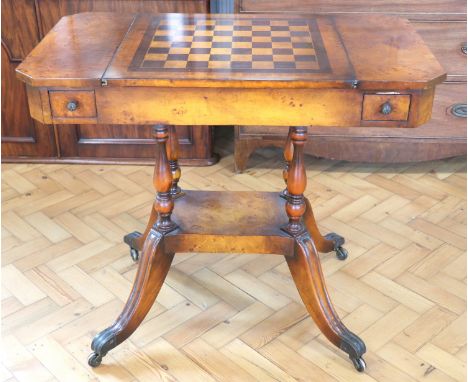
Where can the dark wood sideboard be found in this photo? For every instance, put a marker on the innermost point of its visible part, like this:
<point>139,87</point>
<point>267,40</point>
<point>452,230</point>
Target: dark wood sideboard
<point>24,24</point>
<point>442,25</point>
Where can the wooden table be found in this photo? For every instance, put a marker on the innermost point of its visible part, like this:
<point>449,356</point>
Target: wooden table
<point>176,69</point>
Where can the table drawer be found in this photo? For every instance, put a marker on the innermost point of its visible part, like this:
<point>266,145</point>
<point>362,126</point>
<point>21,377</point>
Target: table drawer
<point>385,107</point>
<point>73,104</point>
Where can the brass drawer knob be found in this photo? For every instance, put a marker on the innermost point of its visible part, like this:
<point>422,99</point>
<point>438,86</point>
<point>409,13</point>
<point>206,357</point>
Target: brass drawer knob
<point>72,105</point>
<point>386,108</point>
<point>459,110</point>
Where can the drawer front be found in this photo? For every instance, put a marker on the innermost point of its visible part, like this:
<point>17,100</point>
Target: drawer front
<point>447,41</point>
<point>385,107</point>
<point>73,104</point>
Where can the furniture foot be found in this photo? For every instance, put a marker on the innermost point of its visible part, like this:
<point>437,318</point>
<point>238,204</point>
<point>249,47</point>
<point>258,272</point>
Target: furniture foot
<point>133,240</point>
<point>327,243</point>
<point>338,241</point>
<point>152,271</point>
<point>307,274</point>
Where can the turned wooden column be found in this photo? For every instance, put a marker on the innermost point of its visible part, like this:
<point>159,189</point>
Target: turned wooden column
<point>288,155</point>
<point>163,182</point>
<point>296,182</point>
<point>173,157</point>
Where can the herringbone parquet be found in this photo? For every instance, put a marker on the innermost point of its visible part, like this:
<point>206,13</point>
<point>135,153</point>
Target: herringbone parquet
<point>66,274</point>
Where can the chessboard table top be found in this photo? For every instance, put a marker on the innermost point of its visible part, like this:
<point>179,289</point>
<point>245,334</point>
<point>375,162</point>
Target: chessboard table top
<point>260,50</point>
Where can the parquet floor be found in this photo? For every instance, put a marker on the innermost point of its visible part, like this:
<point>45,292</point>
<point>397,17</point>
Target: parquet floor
<point>66,274</point>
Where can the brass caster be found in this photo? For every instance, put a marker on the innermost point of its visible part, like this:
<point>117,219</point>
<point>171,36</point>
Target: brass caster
<point>338,241</point>
<point>134,254</point>
<point>94,359</point>
<point>341,253</point>
<point>359,364</point>
<point>131,239</point>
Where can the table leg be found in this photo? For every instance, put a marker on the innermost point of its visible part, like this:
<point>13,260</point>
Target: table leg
<point>173,156</point>
<point>296,183</point>
<point>305,264</point>
<point>288,156</point>
<point>154,264</point>
<point>136,239</point>
<point>327,243</point>
<point>307,274</point>
<point>152,271</point>
<point>162,180</point>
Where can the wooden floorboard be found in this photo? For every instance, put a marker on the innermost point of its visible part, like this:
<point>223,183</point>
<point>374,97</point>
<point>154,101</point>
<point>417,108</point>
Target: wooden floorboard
<point>66,275</point>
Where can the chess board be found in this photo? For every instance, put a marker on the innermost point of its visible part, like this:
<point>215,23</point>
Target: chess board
<point>217,44</point>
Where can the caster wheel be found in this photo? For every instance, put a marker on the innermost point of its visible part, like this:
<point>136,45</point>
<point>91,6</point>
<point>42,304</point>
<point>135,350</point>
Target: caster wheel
<point>134,254</point>
<point>341,253</point>
<point>94,360</point>
<point>359,364</point>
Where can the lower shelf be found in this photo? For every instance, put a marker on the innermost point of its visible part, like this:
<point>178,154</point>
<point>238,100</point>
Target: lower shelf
<point>235,222</point>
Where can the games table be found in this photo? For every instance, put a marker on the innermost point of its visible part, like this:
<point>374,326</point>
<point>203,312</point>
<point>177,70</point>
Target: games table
<point>182,69</point>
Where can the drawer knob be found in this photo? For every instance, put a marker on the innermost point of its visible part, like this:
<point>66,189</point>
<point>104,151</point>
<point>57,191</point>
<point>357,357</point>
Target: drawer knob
<point>386,108</point>
<point>463,48</point>
<point>459,110</point>
<point>72,105</point>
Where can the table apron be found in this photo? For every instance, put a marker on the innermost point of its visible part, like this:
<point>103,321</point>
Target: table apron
<point>214,106</point>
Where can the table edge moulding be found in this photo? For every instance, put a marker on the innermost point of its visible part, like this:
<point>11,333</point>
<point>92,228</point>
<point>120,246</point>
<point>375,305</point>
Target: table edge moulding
<point>295,71</point>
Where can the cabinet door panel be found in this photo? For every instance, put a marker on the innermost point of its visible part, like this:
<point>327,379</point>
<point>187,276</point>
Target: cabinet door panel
<point>20,32</point>
<point>107,142</point>
<point>52,10</point>
<point>21,136</point>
